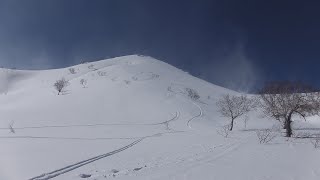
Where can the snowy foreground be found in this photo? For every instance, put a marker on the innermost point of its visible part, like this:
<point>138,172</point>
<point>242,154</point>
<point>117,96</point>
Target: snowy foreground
<point>134,120</point>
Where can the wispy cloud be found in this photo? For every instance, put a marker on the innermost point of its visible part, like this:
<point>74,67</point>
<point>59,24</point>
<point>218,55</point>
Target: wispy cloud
<point>234,70</point>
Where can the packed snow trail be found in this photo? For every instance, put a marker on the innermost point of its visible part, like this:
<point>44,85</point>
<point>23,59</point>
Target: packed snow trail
<point>66,169</point>
<point>198,115</point>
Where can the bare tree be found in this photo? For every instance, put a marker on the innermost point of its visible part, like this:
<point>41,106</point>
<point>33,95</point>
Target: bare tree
<point>60,85</point>
<point>232,107</point>
<point>283,100</point>
<point>83,82</point>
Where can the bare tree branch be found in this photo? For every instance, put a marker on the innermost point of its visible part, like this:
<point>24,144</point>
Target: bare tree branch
<point>233,107</point>
<point>282,101</point>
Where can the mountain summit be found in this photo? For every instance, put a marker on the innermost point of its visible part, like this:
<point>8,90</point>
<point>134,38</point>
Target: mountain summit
<point>132,117</point>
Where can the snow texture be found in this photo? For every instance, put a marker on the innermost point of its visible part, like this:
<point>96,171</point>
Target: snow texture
<point>134,119</point>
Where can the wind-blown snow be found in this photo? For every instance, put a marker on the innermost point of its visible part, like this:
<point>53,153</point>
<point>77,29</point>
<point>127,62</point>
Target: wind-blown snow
<point>134,120</point>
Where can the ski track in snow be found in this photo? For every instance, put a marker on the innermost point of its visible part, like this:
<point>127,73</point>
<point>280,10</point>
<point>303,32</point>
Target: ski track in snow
<point>181,91</point>
<point>74,166</point>
<point>142,76</point>
<point>166,123</point>
<point>193,155</point>
<point>69,168</point>
<point>188,162</point>
<point>198,115</point>
<point>177,114</point>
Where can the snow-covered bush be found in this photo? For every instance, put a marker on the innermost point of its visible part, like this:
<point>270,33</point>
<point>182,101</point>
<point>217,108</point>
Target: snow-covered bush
<point>127,81</point>
<point>265,136</point>
<point>11,127</point>
<point>224,131</point>
<point>92,67</point>
<point>83,62</point>
<point>193,94</point>
<point>83,82</point>
<point>315,142</point>
<point>102,73</point>
<point>60,85</point>
<point>72,70</point>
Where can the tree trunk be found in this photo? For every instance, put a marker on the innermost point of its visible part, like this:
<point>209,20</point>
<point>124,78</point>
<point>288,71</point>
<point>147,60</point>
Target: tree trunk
<point>284,124</point>
<point>287,125</point>
<point>231,125</point>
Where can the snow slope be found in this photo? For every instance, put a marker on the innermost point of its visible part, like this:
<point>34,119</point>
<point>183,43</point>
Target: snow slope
<point>134,120</point>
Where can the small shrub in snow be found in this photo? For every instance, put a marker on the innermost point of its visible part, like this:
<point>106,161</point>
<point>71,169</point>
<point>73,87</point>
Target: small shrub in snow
<point>83,82</point>
<point>193,94</point>
<point>92,67</point>
<point>11,127</point>
<point>127,81</point>
<point>155,76</point>
<point>101,73</point>
<point>72,70</point>
<point>265,136</point>
<point>315,143</point>
<point>224,131</point>
<point>60,85</point>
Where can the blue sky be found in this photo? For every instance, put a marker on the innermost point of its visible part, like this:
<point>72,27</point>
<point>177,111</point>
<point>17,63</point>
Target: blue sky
<point>236,44</point>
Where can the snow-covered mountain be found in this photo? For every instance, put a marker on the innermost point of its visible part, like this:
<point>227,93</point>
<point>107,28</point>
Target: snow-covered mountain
<point>135,118</point>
